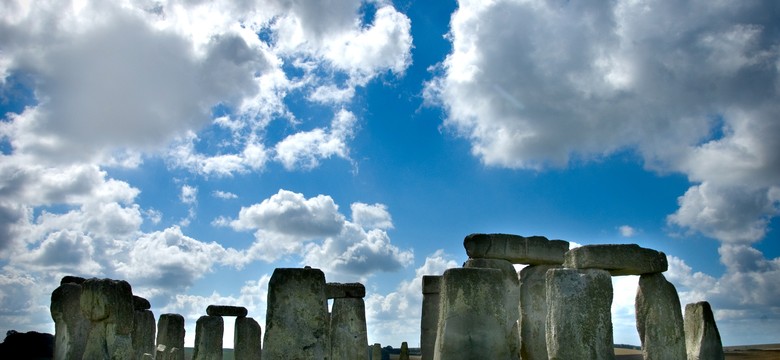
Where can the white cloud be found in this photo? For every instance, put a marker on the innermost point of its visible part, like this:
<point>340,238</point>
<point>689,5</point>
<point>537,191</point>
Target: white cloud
<point>305,149</point>
<point>189,194</point>
<point>373,216</point>
<point>291,213</point>
<point>224,195</point>
<point>626,231</point>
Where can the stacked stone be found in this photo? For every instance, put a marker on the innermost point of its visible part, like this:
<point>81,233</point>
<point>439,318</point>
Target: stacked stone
<point>210,327</point>
<point>430,315</point>
<point>348,333</point>
<point>297,315</point>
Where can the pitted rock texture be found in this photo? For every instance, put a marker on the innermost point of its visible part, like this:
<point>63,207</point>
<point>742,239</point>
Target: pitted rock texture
<point>659,319</point>
<point>348,333</point>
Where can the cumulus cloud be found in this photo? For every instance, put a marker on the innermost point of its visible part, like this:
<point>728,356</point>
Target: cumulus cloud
<point>626,231</point>
<point>304,149</point>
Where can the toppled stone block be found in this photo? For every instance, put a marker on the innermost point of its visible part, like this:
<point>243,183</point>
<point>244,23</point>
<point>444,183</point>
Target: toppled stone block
<point>429,321</point>
<point>534,250</point>
<point>208,338</point>
<point>140,303</point>
<point>170,337</point>
<point>579,321</point>
<point>702,339</point>
<point>297,315</point>
<point>629,259</point>
<point>659,320</point>
<point>226,310</point>
<point>533,311</point>
<point>348,333</point>
<point>247,337</point>
<point>349,290</point>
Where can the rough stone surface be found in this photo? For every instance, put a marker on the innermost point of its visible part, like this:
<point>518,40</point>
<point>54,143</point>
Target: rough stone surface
<point>429,320</point>
<point>533,311</point>
<point>226,310</point>
<point>533,250</point>
<point>246,340</point>
<point>511,295</point>
<point>208,338</point>
<point>472,324</point>
<point>71,327</point>
<point>143,332</point>
<point>140,303</point>
<point>297,315</point>
<point>702,339</point>
<point>348,333</point>
<point>629,259</point>
<point>659,320</point>
<point>109,306</point>
<point>404,351</point>
<point>376,352</point>
<point>579,322</point>
<point>349,290</point>
<point>170,337</point>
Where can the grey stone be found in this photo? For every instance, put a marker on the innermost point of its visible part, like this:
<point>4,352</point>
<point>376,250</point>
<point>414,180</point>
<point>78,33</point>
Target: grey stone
<point>71,327</point>
<point>659,320</point>
<point>472,324</point>
<point>296,316</point>
<point>404,351</point>
<point>170,337</point>
<point>143,332</point>
<point>429,320</point>
<point>68,279</point>
<point>511,296</point>
<point>349,290</point>
<point>226,310</point>
<point>533,311</point>
<point>533,250</point>
<point>628,259</point>
<point>348,333</point>
<point>109,306</point>
<point>208,338</point>
<point>246,340</point>
<point>140,303</point>
<point>579,322</point>
<point>702,339</point>
<point>376,352</point>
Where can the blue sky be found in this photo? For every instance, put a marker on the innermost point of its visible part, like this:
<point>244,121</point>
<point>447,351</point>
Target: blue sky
<point>192,147</point>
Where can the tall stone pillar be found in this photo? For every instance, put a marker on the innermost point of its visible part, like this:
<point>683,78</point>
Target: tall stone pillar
<point>71,326</point>
<point>349,336</point>
<point>659,320</point>
<point>143,327</point>
<point>297,315</point>
<point>108,304</point>
<point>376,352</point>
<point>247,337</point>
<point>472,323</point>
<point>429,321</point>
<point>404,355</point>
<point>533,311</point>
<point>702,338</point>
<point>208,338</point>
<point>579,321</point>
<point>170,337</point>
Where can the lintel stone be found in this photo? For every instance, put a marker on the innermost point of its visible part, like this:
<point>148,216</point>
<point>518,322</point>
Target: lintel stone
<point>226,310</point>
<point>349,290</point>
<point>533,250</point>
<point>623,259</point>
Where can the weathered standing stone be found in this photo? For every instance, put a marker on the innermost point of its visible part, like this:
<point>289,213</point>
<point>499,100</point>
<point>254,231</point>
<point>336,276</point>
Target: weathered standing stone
<point>404,351</point>
<point>429,320</point>
<point>534,250</point>
<point>472,324</point>
<point>630,259</point>
<point>226,310</point>
<point>297,315</point>
<point>376,352</point>
<point>208,338</point>
<point>143,332</point>
<point>511,295</point>
<point>702,339</point>
<point>349,290</point>
<point>170,337</point>
<point>579,322</point>
<point>109,306</point>
<point>659,320</point>
<point>533,311</point>
<point>71,326</point>
<point>247,337</point>
<point>348,334</point>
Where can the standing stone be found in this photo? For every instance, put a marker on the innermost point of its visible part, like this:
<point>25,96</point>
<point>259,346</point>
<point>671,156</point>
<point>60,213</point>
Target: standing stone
<point>208,338</point>
<point>348,333</point>
<point>226,310</point>
<point>108,304</point>
<point>71,327</point>
<point>702,338</point>
<point>579,322</point>
<point>247,337</point>
<point>472,324</point>
<point>619,260</point>
<point>297,315</point>
<point>534,250</point>
<point>404,351</point>
<point>533,311</point>
<point>170,337</point>
<point>143,333</point>
<point>659,320</point>
<point>429,321</point>
<point>376,352</point>
<point>511,295</point>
